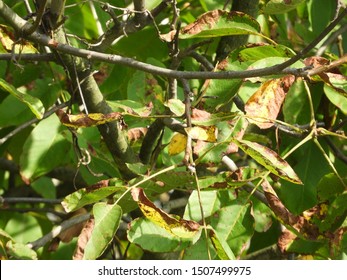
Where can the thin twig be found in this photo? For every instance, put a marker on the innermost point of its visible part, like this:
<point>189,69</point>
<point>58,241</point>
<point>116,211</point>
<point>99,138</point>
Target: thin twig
<point>37,210</point>
<point>337,152</point>
<point>27,57</point>
<point>13,200</point>
<point>38,19</point>
<point>333,37</point>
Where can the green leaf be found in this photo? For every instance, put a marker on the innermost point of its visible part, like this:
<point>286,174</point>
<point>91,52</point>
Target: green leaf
<point>220,23</point>
<point>20,251</point>
<point>221,246</point>
<point>217,94</point>
<point>329,186</point>
<point>150,236</point>
<point>138,168</point>
<point>45,187</point>
<point>269,159</point>
<point>33,103</point>
<point>198,250</point>
<point>300,246</point>
<point>23,228</point>
<point>84,196</point>
<point>253,53</point>
<point>176,106</point>
<point>44,149</point>
<point>280,6</point>
<point>336,214</point>
<point>339,99</point>
<point>211,202</point>
<point>311,166</point>
<point>235,225</point>
<point>107,218</point>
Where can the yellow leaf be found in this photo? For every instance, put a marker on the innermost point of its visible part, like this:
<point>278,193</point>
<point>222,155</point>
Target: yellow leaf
<point>177,144</point>
<point>177,226</point>
<point>207,134</point>
<point>83,120</point>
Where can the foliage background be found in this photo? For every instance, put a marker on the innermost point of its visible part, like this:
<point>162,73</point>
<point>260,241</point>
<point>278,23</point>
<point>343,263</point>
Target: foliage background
<point>248,165</point>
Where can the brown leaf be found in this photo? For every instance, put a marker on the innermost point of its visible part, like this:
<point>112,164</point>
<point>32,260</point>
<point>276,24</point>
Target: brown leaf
<point>264,105</point>
<point>209,18</point>
<point>83,120</point>
<point>136,133</point>
<point>316,61</point>
<point>67,235</point>
<point>200,115</point>
<point>83,239</point>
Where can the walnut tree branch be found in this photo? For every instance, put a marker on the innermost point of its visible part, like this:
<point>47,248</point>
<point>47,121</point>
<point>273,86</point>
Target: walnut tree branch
<point>17,23</point>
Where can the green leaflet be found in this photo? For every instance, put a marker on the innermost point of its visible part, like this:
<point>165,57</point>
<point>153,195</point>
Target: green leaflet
<point>45,149</point>
<point>280,6</point>
<point>34,104</point>
<point>221,246</point>
<point>20,251</point>
<point>152,237</point>
<point>107,218</point>
<point>82,197</point>
<point>269,159</point>
<point>219,23</point>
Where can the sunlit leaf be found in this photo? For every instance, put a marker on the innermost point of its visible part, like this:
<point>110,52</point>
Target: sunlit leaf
<point>269,159</point>
<point>221,246</point>
<point>20,251</point>
<point>235,225</point>
<point>176,106</point>
<point>219,23</point>
<point>178,227</point>
<point>280,6</point>
<point>8,44</point>
<point>84,120</point>
<point>107,218</point>
<point>34,104</point>
<point>177,144</point>
<point>150,236</point>
<point>339,99</point>
<point>85,196</point>
<point>208,134</point>
<point>264,105</point>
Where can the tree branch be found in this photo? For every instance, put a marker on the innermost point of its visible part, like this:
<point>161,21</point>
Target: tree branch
<point>58,230</point>
<point>83,80</point>
<point>17,23</point>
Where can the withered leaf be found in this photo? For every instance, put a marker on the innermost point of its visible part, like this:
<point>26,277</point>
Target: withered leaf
<point>264,105</point>
<point>83,239</point>
<point>171,224</point>
<point>84,120</point>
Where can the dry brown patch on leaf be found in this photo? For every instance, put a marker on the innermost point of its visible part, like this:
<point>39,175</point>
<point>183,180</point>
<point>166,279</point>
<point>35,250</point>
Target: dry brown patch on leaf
<point>209,19</point>
<point>136,133</point>
<point>83,239</point>
<point>264,105</point>
<point>200,115</point>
